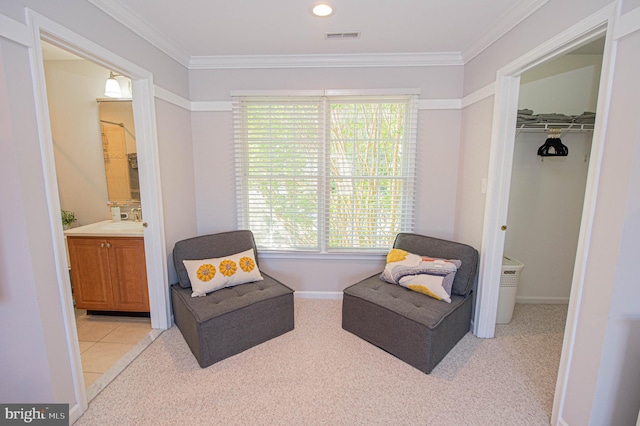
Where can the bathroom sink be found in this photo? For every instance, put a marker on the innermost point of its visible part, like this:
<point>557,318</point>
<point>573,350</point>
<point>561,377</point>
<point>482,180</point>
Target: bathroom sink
<point>124,226</point>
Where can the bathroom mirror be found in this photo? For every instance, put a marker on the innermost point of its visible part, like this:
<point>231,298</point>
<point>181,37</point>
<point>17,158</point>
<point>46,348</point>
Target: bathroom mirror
<point>119,150</point>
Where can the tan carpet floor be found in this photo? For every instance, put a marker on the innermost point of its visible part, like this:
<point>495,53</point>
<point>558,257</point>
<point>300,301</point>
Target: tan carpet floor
<point>319,374</point>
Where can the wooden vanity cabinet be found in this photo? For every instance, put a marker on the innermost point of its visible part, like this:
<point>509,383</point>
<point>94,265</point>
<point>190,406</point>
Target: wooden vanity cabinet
<point>109,274</point>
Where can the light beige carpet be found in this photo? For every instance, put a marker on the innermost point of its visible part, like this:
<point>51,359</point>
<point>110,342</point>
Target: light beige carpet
<point>319,374</point>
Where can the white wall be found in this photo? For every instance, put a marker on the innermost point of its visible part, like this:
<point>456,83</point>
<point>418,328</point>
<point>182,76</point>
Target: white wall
<point>72,89</point>
<point>27,251</point>
<point>545,207</point>
<point>176,170</point>
<point>566,85</point>
<point>18,303</point>
<point>547,194</point>
<point>475,138</point>
<point>88,21</point>
<point>32,300</point>
<point>437,82</point>
<point>437,157</point>
<point>605,369</point>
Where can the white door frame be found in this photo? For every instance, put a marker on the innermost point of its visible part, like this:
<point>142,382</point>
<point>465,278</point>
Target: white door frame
<point>499,179</point>
<point>150,188</point>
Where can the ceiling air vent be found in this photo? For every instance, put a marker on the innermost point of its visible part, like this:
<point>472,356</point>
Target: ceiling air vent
<point>342,36</point>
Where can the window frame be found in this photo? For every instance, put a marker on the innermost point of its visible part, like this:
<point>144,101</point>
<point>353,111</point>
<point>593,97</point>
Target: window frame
<point>408,159</point>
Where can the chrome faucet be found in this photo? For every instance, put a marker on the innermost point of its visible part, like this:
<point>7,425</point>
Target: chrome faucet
<point>137,214</point>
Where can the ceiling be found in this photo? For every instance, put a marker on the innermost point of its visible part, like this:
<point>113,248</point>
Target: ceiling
<point>212,28</point>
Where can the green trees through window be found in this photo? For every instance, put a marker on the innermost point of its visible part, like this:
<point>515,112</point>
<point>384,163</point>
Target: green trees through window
<point>325,173</point>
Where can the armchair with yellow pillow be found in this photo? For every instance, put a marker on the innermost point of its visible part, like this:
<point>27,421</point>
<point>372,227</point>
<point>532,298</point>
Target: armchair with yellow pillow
<point>420,306</point>
<point>223,304</point>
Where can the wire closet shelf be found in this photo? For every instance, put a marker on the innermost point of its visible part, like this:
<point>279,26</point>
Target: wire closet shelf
<point>545,127</point>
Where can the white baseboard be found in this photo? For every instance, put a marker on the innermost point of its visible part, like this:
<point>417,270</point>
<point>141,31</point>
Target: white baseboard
<point>543,300</point>
<point>525,299</point>
<point>561,422</point>
<point>318,294</point>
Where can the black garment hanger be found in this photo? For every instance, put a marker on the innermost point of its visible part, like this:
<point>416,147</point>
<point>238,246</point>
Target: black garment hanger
<point>553,146</point>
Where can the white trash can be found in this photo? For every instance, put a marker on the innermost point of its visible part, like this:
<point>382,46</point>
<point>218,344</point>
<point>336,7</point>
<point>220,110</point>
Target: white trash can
<point>511,269</point>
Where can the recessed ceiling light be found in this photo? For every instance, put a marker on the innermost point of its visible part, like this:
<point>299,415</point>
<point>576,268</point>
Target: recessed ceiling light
<point>322,9</point>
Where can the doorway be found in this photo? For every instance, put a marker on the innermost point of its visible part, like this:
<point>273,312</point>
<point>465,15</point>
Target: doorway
<point>151,196</point>
<point>551,161</point>
<point>91,168</point>
<point>500,163</point>
<point>556,108</point>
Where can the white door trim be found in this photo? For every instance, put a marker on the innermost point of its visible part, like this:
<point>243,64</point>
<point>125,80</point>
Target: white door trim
<point>145,123</point>
<point>500,163</point>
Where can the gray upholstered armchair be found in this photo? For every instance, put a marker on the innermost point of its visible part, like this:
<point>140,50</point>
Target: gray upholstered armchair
<point>415,328</point>
<point>230,320</point>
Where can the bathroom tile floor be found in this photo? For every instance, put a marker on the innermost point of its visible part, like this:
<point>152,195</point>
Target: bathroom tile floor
<point>105,339</point>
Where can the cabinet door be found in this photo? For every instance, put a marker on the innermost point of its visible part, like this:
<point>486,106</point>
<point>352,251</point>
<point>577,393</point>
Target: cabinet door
<point>128,274</point>
<point>90,275</point>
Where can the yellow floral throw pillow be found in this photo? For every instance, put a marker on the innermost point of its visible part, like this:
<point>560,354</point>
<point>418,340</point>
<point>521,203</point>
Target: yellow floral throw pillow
<point>207,275</point>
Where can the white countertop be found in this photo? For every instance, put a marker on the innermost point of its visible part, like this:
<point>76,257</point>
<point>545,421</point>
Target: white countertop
<point>108,228</point>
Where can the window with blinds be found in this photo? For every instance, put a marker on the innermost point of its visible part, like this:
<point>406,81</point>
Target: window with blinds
<point>325,173</point>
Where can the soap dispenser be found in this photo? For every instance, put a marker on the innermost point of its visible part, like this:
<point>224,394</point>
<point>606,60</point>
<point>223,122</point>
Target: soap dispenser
<point>115,213</point>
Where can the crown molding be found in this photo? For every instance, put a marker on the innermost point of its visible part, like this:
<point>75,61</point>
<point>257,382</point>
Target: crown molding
<point>119,11</point>
<point>512,17</point>
<point>326,61</point>
<point>125,16</point>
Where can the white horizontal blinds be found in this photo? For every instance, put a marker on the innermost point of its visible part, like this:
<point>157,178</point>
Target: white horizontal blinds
<point>278,159</point>
<point>371,171</point>
<point>325,173</point>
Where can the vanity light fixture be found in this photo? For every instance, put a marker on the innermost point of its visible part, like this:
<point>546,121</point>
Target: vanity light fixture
<point>112,87</point>
<point>322,10</point>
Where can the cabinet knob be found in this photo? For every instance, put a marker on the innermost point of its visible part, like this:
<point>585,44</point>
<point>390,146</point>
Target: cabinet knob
<point>503,228</point>
<point>108,245</point>
<point>101,245</point>
<point>145,224</point>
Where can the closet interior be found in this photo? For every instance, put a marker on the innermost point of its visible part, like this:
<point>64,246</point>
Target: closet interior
<point>554,130</point>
